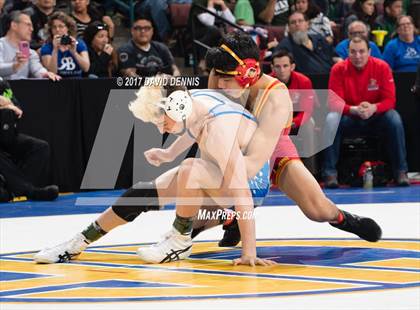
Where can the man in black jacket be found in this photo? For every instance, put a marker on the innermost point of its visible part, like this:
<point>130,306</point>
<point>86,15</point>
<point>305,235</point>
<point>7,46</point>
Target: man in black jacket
<point>23,159</point>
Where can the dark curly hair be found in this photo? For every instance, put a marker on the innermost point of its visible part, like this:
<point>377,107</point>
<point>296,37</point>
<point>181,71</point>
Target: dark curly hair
<point>240,43</point>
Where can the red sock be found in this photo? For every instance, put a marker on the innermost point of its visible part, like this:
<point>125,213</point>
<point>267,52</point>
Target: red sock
<point>339,219</point>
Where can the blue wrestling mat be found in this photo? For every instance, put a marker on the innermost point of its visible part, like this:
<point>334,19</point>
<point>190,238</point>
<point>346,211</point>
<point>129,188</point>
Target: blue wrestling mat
<point>98,201</point>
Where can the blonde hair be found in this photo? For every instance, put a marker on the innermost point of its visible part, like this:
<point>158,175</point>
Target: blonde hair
<point>146,105</point>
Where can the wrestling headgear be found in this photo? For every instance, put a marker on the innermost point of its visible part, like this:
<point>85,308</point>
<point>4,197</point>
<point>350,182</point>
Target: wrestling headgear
<point>178,105</point>
<point>246,73</point>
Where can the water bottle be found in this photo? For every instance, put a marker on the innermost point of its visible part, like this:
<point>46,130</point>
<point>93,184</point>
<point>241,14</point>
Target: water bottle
<point>368,176</point>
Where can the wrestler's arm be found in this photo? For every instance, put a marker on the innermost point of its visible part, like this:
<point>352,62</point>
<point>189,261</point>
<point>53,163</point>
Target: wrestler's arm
<point>223,146</point>
<point>274,117</point>
<point>157,156</point>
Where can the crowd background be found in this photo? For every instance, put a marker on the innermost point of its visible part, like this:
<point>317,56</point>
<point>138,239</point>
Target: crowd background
<point>88,39</point>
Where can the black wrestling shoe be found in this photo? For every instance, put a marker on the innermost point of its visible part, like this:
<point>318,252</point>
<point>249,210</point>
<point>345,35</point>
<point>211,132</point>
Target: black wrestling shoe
<point>232,236</point>
<point>364,227</point>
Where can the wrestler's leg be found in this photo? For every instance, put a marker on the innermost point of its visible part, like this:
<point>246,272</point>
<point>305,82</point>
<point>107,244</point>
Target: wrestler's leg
<point>166,189</point>
<point>208,176</point>
<point>167,186</point>
<point>197,182</point>
<point>201,178</point>
<point>299,184</point>
<point>150,196</point>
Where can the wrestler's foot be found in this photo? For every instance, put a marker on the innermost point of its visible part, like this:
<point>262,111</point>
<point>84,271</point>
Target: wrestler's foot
<point>63,252</point>
<point>364,227</point>
<point>174,247</point>
<point>232,235</point>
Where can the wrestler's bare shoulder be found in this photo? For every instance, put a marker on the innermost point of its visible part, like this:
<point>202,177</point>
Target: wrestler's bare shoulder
<point>265,81</point>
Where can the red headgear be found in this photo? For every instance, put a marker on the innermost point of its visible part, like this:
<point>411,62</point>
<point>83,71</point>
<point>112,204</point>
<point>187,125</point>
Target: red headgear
<point>246,73</point>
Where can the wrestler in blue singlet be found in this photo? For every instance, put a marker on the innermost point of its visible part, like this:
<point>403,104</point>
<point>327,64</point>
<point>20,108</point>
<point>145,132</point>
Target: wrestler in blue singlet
<point>260,183</point>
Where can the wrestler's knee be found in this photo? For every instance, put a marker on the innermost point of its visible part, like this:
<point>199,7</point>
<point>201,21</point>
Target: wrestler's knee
<point>142,197</point>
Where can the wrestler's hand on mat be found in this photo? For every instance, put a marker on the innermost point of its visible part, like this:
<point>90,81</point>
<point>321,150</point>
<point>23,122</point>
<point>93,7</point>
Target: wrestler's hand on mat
<point>156,156</point>
<point>253,261</point>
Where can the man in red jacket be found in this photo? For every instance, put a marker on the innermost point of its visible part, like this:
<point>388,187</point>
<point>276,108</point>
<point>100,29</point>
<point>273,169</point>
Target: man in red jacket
<point>366,86</point>
<point>303,96</point>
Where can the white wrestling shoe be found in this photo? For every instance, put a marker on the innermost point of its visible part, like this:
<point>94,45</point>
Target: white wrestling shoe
<point>63,252</point>
<point>174,247</point>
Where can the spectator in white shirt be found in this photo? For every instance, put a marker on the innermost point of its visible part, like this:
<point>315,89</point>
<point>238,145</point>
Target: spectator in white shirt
<point>17,60</point>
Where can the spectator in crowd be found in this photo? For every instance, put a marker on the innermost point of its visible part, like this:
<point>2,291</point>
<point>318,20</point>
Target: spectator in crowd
<point>403,52</point>
<point>23,159</point>
<point>207,27</point>
<point>388,20</point>
<point>63,53</point>
<point>271,12</point>
<point>302,95</point>
<point>17,60</point>
<point>103,58</point>
<point>244,13</point>
<point>357,28</point>
<point>312,52</point>
<point>84,14</point>
<point>366,86</point>
<point>363,10</point>
<point>319,23</point>
<point>42,9</point>
<point>143,57</point>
